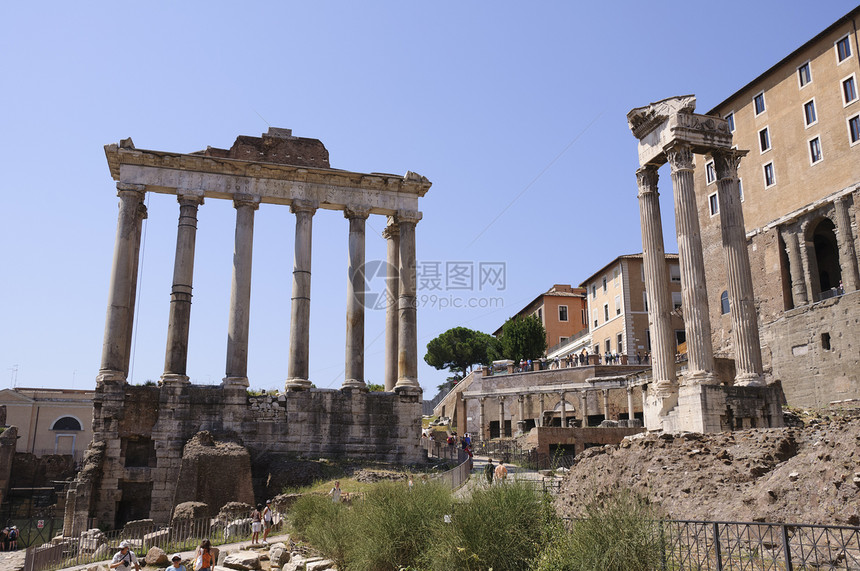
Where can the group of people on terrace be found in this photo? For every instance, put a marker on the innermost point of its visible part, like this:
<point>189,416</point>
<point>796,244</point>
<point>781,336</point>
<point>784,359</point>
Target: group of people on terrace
<point>580,360</point>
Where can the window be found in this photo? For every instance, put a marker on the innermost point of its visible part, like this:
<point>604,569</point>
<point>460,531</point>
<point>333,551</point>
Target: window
<point>713,204</point>
<point>608,345</point>
<point>843,49</point>
<point>593,291</point>
<point>815,150</point>
<point>594,316</point>
<point>769,176</point>
<point>645,300</point>
<point>764,140</point>
<point>597,348</point>
<point>710,172</point>
<point>617,305</point>
<point>562,340</point>
<point>615,274</point>
<point>758,103</point>
<point>540,314</point>
<point>604,284</point>
<point>741,189</point>
<point>804,74</point>
<point>562,313</point>
<point>619,343</point>
<point>809,116</point>
<point>825,341</point>
<point>731,120</point>
<point>724,302</point>
<point>849,90</point>
<point>605,312</point>
<point>854,129</point>
<point>67,423</point>
<point>676,299</point>
<point>675,273</point>
<point>648,339</point>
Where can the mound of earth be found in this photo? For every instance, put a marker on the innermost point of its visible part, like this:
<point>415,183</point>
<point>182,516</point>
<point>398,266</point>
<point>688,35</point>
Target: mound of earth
<point>803,474</point>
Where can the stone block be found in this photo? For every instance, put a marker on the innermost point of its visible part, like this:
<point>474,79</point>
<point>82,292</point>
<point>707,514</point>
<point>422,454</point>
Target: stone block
<point>243,561</point>
<point>156,557</point>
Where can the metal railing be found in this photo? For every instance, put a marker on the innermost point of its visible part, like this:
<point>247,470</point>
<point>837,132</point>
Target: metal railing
<point>715,545</point>
<point>94,546</point>
<point>457,476</point>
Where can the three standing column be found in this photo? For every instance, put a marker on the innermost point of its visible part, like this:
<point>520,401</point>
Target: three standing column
<point>697,321</point>
<point>745,335</point>
<point>179,322</point>
<point>391,233</point>
<point>116,349</point>
<point>656,282</point>
<point>407,354</point>
<point>300,306</point>
<point>240,293</point>
<point>355,298</point>
<point>845,240</point>
<point>799,295</point>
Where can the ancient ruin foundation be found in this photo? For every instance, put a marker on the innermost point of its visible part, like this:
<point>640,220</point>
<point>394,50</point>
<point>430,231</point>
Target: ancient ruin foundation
<point>140,433</point>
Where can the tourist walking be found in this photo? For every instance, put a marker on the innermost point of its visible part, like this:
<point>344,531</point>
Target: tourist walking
<point>501,473</point>
<point>335,492</point>
<point>256,523</point>
<point>124,558</point>
<point>267,520</point>
<point>176,563</point>
<point>488,471</point>
<point>203,556</point>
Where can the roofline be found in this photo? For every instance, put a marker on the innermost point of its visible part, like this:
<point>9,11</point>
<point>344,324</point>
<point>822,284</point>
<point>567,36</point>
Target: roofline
<point>639,256</point>
<point>544,294</point>
<point>847,17</point>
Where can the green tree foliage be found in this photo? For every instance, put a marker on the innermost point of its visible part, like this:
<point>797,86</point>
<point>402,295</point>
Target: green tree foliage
<point>458,349</point>
<point>522,338</point>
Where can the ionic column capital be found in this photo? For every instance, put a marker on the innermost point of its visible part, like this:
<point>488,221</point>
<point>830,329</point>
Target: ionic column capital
<point>726,162</point>
<point>521,398</point>
<point>124,186</point>
<point>392,230</point>
<point>304,205</point>
<point>680,156</point>
<point>246,200</point>
<point>408,216</point>
<point>358,211</point>
<point>190,199</point>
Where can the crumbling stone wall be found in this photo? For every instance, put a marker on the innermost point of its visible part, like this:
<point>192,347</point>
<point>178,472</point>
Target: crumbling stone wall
<point>815,351</point>
<point>214,472</point>
<point>316,423</point>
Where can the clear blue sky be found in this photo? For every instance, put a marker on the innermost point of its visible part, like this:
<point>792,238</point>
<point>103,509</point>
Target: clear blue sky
<point>480,97</point>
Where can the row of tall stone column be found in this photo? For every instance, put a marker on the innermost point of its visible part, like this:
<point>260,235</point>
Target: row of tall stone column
<point>583,407</point>
<point>401,366</point>
<point>694,293</point>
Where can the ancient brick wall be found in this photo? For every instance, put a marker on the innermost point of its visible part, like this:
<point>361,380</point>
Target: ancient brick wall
<point>814,351</point>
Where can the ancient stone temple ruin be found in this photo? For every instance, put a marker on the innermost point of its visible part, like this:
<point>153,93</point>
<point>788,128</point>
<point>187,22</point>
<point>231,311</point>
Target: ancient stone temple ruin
<point>142,446</point>
<point>670,131</point>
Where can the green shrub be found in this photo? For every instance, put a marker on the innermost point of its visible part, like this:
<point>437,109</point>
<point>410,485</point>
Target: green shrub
<point>501,528</point>
<point>618,532</point>
<point>324,524</point>
<point>392,527</point>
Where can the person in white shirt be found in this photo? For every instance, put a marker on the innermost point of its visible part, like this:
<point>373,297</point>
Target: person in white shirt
<point>124,558</point>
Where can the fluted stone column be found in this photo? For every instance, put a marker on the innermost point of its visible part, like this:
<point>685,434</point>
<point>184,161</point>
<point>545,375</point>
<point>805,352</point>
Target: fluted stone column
<point>629,404</point>
<point>563,411</point>
<point>845,242</point>
<point>407,360</point>
<point>605,404</point>
<point>799,295</point>
<point>391,233</point>
<point>240,293</point>
<point>697,321</point>
<point>583,399</point>
<point>482,420</point>
<point>179,322</point>
<point>501,417</point>
<point>300,308</point>
<point>656,283</point>
<point>521,420</point>
<point>116,349</point>
<point>540,416</point>
<point>810,262</point>
<point>745,334</point>
<point>357,285</point>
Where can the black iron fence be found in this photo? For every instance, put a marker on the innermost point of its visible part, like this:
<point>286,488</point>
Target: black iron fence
<point>718,546</point>
<point>93,545</point>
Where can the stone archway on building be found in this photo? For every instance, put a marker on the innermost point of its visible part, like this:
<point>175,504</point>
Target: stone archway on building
<point>828,274</point>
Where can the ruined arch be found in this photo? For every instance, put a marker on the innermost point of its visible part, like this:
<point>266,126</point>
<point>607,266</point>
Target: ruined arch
<point>825,251</point>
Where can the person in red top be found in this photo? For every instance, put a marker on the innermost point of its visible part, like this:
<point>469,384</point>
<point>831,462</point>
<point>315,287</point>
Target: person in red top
<point>203,557</point>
